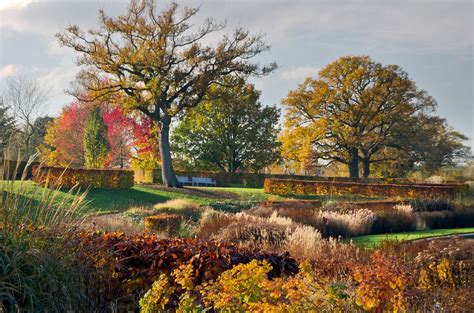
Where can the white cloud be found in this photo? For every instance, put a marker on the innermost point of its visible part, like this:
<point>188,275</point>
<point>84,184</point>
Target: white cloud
<point>299,73</point>
<point>7,70</point>
<point>13,4</point>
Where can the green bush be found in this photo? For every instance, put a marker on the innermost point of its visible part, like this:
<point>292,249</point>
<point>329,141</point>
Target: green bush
<point>163,223</point>
<point>393,222</point>
<point>463,217</point>
<point>436,219</point>
<point>431,205</point>
<point>232,206</point>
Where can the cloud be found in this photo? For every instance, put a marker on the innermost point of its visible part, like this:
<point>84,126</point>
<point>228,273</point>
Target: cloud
<point>431,40</point>
<point>7,70</point>
<point>14,4</point>
<point>299,73</point>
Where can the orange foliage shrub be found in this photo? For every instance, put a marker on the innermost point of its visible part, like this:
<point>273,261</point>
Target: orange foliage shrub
<point>381,285</point>
<point>88,178</point>
<point>407,191</point>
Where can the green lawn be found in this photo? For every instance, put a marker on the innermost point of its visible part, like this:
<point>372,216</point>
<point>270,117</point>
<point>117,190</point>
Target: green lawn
<point>117,200</point>
<point>374,240</point>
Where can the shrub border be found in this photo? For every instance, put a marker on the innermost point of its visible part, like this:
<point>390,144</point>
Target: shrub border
<point>406,191</point>
<point>82,177</point>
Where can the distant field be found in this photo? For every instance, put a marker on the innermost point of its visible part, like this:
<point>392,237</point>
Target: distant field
<point>374,240</point>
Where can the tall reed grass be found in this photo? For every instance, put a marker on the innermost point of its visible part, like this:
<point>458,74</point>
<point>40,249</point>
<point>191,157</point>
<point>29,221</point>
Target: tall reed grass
<point>37,273</point>
<point>23,202</point>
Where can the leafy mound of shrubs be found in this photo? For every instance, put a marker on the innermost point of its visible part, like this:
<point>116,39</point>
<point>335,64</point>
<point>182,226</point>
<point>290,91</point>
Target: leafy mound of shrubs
<point>127,265</point>
<point>417,277</point>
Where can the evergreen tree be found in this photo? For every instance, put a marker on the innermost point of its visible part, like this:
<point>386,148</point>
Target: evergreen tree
<point>96,146</point>
<point>7,128</point>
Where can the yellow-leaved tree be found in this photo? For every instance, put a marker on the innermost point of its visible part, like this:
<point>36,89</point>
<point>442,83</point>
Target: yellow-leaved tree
<point>353,112</point>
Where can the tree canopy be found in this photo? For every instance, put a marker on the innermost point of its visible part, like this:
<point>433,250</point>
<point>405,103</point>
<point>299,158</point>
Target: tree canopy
<point>229,131</point>
<point>127,136</point>
<point>358,111</point>
<point>159,62</point>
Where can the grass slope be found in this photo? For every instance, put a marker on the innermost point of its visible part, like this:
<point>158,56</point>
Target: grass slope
<point>374,240</point>
<point>117,200</point>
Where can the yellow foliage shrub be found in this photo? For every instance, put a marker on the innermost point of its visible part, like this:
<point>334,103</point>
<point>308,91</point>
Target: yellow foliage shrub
<point>246,288</point>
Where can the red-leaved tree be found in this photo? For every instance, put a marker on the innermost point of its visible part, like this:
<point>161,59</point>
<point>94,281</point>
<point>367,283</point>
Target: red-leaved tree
<point>128,136</point>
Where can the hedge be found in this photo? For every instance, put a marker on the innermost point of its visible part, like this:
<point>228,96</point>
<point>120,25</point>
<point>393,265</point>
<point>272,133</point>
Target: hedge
<point>88,178</point>
<point>257,180</point>
<point>319,188</point>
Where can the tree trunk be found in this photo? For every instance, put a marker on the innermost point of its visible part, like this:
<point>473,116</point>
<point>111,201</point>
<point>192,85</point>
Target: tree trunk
<point>354,163</point>
<point>167,171</point>
<point>366,167</point>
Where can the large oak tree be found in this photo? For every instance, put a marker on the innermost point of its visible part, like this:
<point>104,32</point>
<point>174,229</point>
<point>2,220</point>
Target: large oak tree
<point>354,110</point>
<point>160,63</point>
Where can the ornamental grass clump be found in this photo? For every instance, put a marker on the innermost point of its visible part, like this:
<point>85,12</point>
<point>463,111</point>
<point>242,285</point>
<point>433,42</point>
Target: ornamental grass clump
<point>344,223</point>
<point>277,233</point>
<point>331,223</point>
<point>163,223</point>
<point>212,222</point>
<point>37,272</point>
<point>182,207</point>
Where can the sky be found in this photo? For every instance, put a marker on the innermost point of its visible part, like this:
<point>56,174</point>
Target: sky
<point>432,40</point>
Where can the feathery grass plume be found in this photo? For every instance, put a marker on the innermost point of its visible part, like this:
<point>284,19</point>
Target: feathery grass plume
<point>277,233</point>
<point>404,208</point>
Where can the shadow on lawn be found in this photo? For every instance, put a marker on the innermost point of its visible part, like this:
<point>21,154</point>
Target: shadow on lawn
<point>19,201</point>
<point>107,201</point>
